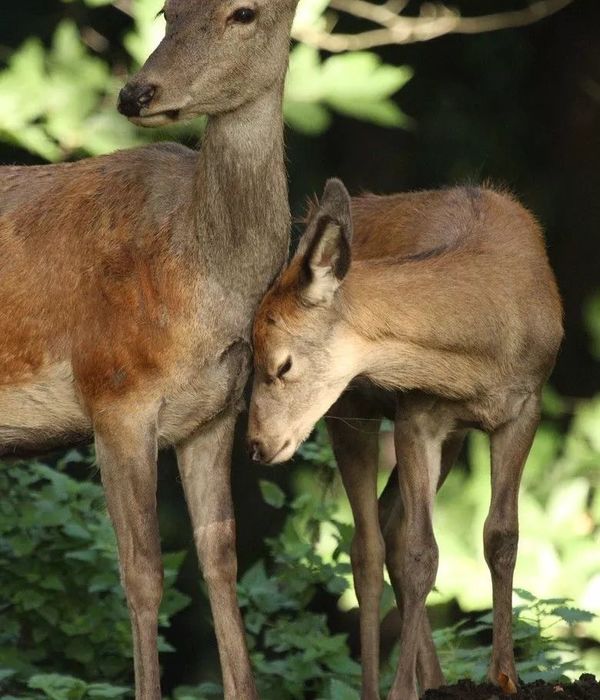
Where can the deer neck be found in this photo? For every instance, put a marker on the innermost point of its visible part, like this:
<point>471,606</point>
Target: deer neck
<point>242,210</point>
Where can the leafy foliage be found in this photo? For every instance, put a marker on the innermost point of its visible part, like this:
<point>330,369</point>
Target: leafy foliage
<point>356,84</point>
<point>540,655</point>
<point>60,101</point>
<point>292,648</point>
<point>62,604</point>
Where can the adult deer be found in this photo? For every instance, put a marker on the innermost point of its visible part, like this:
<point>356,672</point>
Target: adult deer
<point>128,284</point>
<point>442,313</point>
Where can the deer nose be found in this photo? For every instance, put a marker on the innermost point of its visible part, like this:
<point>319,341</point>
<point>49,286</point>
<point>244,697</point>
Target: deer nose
<point>133,98</point>
<point>256,451</point>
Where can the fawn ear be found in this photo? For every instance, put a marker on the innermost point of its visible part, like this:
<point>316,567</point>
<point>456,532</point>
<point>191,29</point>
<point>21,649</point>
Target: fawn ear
<point>325,247</point>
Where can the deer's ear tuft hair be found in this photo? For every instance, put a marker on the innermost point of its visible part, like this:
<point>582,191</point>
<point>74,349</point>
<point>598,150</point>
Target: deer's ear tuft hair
<point>325,249</point>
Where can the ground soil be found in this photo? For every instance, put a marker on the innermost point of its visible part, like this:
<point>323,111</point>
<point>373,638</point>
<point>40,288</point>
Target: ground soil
<point>586,688</point>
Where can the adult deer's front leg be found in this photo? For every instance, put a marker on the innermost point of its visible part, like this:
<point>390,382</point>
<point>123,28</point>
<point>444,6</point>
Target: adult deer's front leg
<point>126,450</point>
<point>510,446</point>
<point>205,467</point>
<point>355,443</point>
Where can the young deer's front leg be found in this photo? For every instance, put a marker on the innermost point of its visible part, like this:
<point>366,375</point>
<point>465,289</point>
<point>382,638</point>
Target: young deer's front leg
<point>418,442</point>
<point>126,450</point>
<point>356,447</point>
<point>205,468</point>
<point>429,672</point>
<point>510,446</point>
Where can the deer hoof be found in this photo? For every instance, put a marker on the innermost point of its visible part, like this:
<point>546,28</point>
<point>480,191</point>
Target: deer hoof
<point>507,685</point>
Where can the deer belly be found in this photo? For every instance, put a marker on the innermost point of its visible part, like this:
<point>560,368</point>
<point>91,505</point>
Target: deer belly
<point>42,413</point>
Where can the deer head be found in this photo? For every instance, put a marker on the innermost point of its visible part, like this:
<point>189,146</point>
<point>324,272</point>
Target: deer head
<point>215,56</point>
<point>305,354</point>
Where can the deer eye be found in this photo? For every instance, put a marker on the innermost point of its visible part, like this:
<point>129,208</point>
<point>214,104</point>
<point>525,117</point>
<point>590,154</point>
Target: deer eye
<point>243,15</point>
<point>284,368</point>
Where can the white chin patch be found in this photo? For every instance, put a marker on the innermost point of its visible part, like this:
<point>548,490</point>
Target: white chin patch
<point>151,120</point>
<point>284,454</point>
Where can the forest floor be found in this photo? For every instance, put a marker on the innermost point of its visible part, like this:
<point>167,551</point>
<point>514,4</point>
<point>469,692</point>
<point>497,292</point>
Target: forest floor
<point>586,688</point>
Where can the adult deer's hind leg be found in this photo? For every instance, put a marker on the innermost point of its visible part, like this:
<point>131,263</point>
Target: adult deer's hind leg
<point>429,672</point>
<point>510,445</point>
<point>356,447</point>
<point>126,450</point>
<point>205,467</point>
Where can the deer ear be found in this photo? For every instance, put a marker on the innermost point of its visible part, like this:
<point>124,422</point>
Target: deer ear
<point>325,249</point>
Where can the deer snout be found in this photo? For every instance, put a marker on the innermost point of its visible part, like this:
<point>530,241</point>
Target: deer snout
<point>256,450</point>
<point>260,452</point>
<point>134,97</point>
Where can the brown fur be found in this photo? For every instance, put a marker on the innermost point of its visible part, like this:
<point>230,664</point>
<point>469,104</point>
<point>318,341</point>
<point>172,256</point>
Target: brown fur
<point>447,318</point>
<point>80,283</point>
<point>421,261</point>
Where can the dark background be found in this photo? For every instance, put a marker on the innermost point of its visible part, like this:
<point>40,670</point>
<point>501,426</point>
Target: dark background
<point>518,108</point>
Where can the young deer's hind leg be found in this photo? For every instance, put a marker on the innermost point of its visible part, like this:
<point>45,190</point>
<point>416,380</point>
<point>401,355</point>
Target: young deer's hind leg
<point>429,672</point>
<point>356,447</point>
<point>205,467</point>
<point>126,450</point>
<point>510,446</point>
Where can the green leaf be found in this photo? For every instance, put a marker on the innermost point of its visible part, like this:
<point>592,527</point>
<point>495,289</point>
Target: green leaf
<point>272,494</point>
<point>573,615</point>
<point>106,690</point>
<point>58,687</point>
<point>73,529</point>
<point>311,119</point>
<point>524,595</point>
<point>341,691</point>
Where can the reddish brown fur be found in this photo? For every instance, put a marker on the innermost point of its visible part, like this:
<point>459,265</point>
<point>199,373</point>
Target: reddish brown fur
<point>84,285</point>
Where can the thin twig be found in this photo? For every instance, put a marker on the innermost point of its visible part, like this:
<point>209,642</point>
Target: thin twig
<point>435,21</point>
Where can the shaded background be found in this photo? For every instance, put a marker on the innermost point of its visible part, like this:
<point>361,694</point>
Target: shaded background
<point>518,108</point>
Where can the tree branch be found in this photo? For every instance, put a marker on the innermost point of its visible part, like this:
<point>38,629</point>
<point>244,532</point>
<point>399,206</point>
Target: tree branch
<point>434,21</point>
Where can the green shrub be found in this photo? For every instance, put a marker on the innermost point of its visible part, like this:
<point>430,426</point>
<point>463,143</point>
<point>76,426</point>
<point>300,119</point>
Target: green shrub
<point>62,607</point>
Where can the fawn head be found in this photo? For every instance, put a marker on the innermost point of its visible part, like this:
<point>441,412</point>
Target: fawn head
<point>215,56</point>
<point>303,360</point>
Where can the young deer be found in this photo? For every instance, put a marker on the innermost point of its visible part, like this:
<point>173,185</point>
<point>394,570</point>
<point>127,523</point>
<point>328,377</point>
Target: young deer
<point>441,313</point>
<point>128,284</point>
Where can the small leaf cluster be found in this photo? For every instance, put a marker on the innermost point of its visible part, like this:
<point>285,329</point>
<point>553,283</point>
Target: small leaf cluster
<point>57,686</point>
<point>60,101</point>
<point>62,607</point>
<point>356,84</point>
<point>540,654</point>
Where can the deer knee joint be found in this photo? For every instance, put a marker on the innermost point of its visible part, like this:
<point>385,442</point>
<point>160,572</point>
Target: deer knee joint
<point>420,568</point>
<point>500,546</point>
<point>216,549</point>
<point>143,586</point>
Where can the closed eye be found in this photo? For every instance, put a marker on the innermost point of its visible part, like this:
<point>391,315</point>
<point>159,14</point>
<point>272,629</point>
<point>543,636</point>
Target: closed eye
<point>284,368</point>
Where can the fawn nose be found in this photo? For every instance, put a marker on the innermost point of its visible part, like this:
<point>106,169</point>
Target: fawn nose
<point>133,98</point>
<point>256,451</point>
